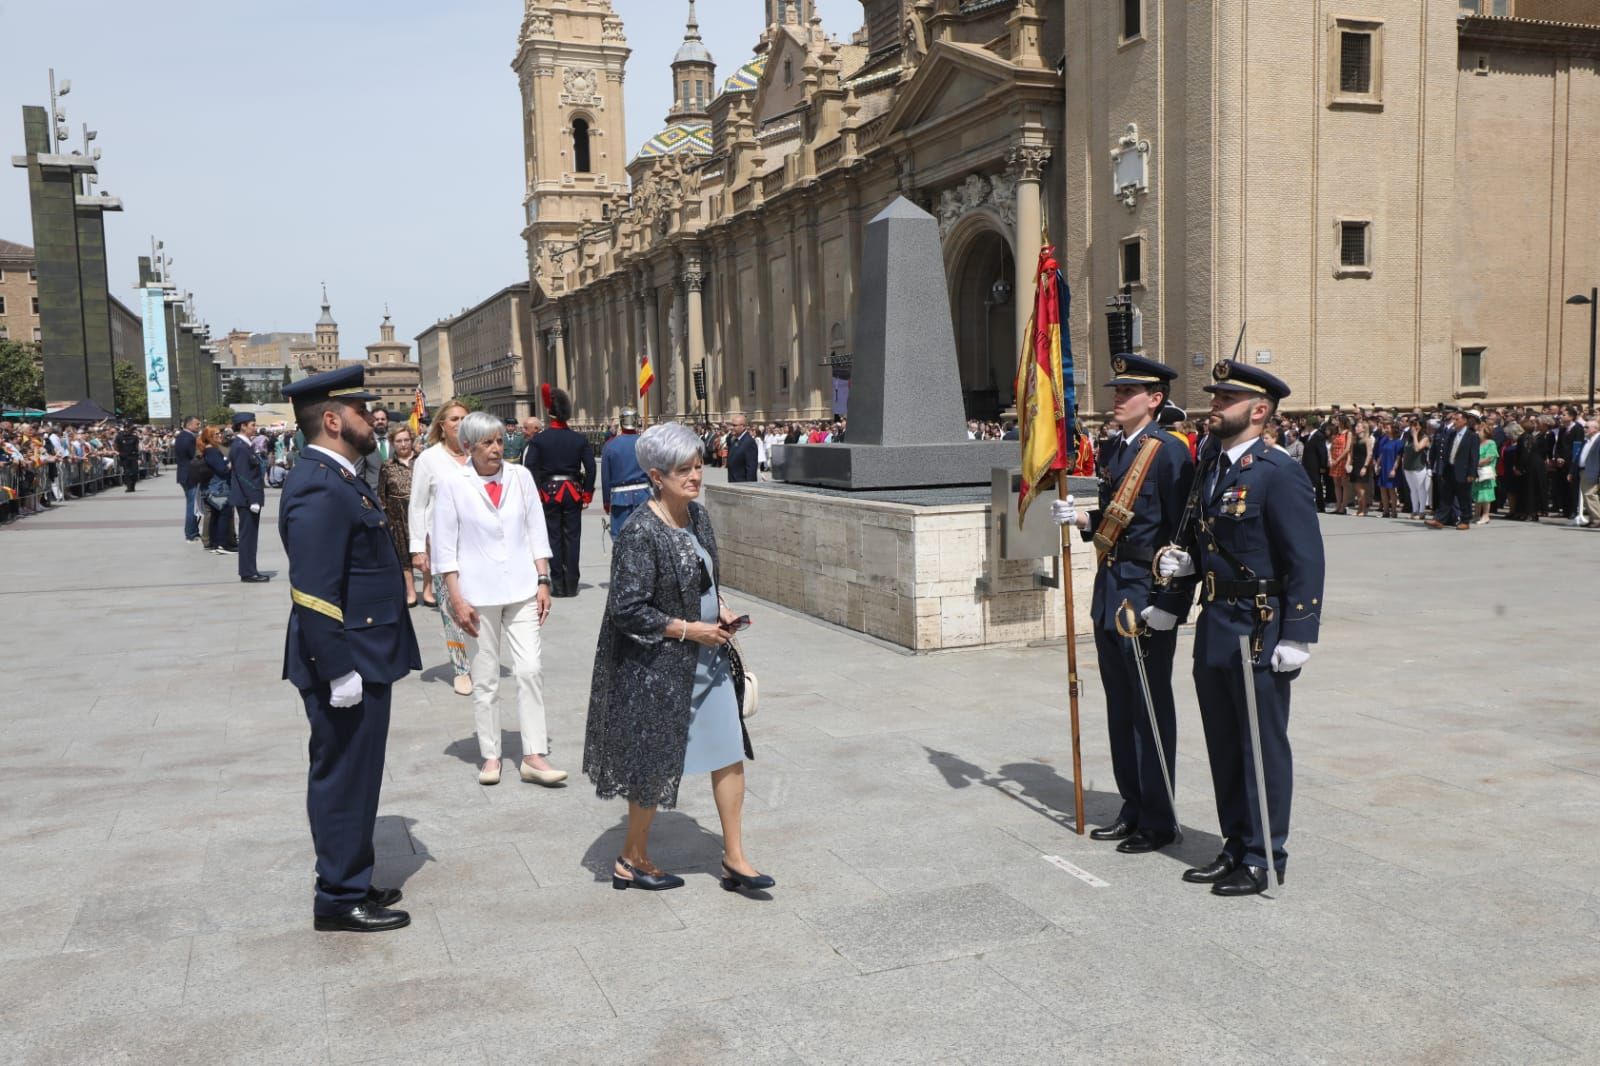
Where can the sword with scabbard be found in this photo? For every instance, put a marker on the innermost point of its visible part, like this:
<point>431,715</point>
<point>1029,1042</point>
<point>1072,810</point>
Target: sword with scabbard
<point>1192,507</point>
<point>1130,625</point>
<point>1247,663</point>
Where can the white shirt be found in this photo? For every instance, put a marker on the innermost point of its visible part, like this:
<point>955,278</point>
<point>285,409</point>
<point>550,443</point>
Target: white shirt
<point>335,456</point>
<point>1234,454</point>
<point>493,549</point>
<point>435,464</point>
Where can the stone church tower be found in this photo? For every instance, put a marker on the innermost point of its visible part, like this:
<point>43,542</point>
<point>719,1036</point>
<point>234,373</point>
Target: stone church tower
<point>327,357</point>
<point>570,59</point>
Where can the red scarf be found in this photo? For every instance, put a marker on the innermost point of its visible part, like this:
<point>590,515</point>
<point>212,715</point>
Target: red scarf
<point>494,489</point>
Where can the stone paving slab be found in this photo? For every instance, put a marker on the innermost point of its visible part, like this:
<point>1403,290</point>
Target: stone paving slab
<point>1441,906</point>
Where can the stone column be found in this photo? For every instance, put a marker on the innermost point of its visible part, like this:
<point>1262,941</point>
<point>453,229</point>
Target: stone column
<point>558,345</point>
<point>1026,163</point>
<point>693,282</point>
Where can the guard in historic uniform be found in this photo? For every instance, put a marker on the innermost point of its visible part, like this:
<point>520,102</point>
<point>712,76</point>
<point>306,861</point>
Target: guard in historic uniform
<point>127,445</point>
<point>1147,477</point>
<point>623,486</point>
<point>247,494</point>
<point>562,463</point>
<point>349,641</point>
<point>1256,554</point>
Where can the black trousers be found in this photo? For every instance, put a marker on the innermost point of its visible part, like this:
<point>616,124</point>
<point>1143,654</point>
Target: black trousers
<point>130,474</point>
<point>564,523</point>
<point>1225,716</point>
<point>1319,483</point>
<point>1455,500</point>
<point>1134,763</point>
<point>249,534</point>
<point>347,747</point>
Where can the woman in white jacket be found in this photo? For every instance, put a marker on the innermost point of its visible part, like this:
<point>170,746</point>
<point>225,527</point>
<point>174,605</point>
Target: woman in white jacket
<point>444,459</point>
<point>491,549</point>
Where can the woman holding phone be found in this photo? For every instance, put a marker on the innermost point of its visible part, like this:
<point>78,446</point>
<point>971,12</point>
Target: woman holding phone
<point>662,701</point>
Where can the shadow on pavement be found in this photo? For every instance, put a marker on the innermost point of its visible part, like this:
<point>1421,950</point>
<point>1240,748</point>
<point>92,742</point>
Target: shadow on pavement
<point>678,844</point>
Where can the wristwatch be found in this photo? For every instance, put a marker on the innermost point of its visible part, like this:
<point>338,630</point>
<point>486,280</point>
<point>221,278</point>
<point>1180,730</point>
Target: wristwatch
<point>543,580</point>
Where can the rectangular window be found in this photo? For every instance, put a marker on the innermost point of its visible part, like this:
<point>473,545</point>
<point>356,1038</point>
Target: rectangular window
<point>35,305</point>
<point>1132,19</point>
<point>33,274</point>
<point>1355,63</point>
<point>1497,8</point>
<point>38,335</point>
<point>2,305</point>
<point>5,334</point>
<point>1354,244</point>
<point>783,379</point>
<point>1133,261</point>
<point>750,379</point>
<point>1472,368</point>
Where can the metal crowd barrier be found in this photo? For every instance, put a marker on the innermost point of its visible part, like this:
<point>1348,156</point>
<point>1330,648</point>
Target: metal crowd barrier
<point>77,477</point>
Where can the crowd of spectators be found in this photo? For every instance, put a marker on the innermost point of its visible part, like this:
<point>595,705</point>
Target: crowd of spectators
<point>43,464</point>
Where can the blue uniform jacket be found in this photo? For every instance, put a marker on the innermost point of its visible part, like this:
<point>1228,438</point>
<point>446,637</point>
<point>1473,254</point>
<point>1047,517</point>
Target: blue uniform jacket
<point>619,465</point>
<point>1263,511</point>
<point>349,597</point>
<point>244,481</point>
<point>1156,511</point>
<point>560,451</point>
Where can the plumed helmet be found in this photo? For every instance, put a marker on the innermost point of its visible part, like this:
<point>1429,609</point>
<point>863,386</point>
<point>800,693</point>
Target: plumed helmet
<point>629,418</point>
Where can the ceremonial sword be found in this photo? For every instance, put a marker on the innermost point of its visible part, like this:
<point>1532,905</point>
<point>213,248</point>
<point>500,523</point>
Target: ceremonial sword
<point>1130,625</point>
<point>1255,749</point>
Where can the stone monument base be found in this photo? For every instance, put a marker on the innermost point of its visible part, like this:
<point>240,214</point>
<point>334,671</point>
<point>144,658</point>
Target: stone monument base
<point>892,466</point>
<point>912,568</point>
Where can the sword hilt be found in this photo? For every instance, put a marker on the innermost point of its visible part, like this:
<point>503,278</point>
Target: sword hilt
<point>1129,624</point>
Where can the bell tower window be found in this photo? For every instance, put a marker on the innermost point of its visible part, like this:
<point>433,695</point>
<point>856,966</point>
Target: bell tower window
<point>580,146</point>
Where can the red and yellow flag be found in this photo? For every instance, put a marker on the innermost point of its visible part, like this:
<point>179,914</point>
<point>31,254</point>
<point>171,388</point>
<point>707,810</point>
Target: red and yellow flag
<point>419,410</point>
<point>647,374</point>
<point>1046,397</point>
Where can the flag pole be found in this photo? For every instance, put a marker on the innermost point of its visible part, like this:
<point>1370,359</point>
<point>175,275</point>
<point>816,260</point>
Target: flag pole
<point>1072,661</point>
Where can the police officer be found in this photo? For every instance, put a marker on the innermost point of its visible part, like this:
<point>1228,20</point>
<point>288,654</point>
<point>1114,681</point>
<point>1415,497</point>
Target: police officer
<point>623,486</point>
<point>349,641</point>
<point>562,463</point>
<point>1146,821</point>
<point>1257,556</point>
<point>127,445</point>
<point>247,493</point>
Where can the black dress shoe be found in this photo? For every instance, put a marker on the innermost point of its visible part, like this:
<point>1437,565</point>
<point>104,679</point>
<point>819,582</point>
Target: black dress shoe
<point>734,881</point>
<point>1146,840</point>
<point>640,879</point>
<point>1117,830</point>
<point>1245,881</point>
<point>1220,867</point>
<point>256,579</point>
<point>363,918</point>
<point>382,897</point>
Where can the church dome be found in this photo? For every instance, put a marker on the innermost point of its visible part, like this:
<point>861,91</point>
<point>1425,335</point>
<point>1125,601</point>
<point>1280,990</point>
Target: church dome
<point>747,77</point>
<point>694,51</point>
<point>681,138</point>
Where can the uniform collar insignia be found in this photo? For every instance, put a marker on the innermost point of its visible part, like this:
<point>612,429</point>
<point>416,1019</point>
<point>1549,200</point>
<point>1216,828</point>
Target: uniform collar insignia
<point>1244,464</point>
<point>347,475</point>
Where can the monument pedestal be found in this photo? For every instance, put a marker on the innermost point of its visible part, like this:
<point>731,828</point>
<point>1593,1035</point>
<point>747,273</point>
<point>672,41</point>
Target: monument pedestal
<point>891,466</point>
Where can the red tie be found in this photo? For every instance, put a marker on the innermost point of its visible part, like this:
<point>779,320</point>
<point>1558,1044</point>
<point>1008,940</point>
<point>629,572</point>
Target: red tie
<point>493,488</point>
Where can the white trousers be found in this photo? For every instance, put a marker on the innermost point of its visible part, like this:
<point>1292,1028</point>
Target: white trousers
<point>509,634</point>
<point>1420,482</point>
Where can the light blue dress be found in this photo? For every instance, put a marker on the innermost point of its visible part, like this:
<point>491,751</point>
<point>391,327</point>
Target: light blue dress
<point>715,739</point>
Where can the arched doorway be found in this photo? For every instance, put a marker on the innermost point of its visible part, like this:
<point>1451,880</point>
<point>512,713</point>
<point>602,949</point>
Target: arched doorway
<point>983,291</point>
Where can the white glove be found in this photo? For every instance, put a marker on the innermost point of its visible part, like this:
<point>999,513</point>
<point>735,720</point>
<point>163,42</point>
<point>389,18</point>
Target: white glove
<point>255,508</point>
<point>1175,563</point>
<point>1157,619</point>
<point>1289,656</point>
<point>346,690</point>
<point>1065,512</point>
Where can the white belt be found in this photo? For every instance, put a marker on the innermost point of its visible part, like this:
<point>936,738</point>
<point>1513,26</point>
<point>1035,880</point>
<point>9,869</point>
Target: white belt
<point>630,488</point>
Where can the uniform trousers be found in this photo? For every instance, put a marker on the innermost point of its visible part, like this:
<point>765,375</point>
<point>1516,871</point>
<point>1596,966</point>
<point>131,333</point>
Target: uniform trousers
<point>130,474</point>
<point>564,523</point>
<point>1134,763</point>
<point>508,633</point>
<point>347,749</point>
<point>1226,718</point>
<point>249,534</point>
<point>620,516</point>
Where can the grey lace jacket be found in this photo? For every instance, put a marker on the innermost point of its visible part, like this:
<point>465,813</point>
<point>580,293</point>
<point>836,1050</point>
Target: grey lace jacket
<point>638,729</point>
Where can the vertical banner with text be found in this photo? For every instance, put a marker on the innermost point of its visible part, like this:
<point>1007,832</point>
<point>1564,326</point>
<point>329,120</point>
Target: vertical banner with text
<point>153,309</point>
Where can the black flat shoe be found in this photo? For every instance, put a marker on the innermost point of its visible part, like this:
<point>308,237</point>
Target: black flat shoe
<point>640,879</point>
<point>1245,881</point>
<point>735,882</point>
<point>1117,830</point>
<point>256,579</point>
<point>382,897</point>
<point>1220,867</point>
<point>362,918</point>
<point>1146,841</point>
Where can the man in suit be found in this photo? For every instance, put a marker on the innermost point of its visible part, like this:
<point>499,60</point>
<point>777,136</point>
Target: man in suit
<point>183,446</point>
<point>349,641</point>
<point>1315,460</point>
<point>371,466</point>
<point>1563,462</point>
<point>1589,475</point>
<point>247,493</point>
<point>744,457</point>
<point>1146,821</point>
<point>1257,550</point>
<point>562,463</point>
<point>1455,470</point>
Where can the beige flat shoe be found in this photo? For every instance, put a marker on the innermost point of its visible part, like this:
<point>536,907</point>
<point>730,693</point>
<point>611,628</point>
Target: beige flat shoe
<point>490,776</point>
<point>463,685</point>
<point>547,778</point>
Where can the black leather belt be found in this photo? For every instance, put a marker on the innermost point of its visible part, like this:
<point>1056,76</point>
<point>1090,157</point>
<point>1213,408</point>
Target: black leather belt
<point>1130,553</point>
<point>1226,589</point>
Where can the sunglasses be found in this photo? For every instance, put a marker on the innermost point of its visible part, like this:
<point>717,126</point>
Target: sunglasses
<point>740,623</point>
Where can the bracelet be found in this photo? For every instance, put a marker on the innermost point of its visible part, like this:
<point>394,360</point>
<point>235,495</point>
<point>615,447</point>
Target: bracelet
<point>685,631</point>
<point>543,580</point>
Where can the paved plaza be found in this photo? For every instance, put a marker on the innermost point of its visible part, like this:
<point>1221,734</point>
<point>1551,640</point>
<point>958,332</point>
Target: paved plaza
<point>155,865</point>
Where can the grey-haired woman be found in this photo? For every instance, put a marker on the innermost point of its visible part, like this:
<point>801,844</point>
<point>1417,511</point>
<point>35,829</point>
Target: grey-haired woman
<point>662,702</point>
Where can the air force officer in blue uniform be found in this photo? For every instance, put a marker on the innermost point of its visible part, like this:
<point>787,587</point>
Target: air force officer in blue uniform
<point>349,640</point>
<point>247,494</point>
<point>623,486</point>
<point>1146,821</point>
<point>1257,557</point>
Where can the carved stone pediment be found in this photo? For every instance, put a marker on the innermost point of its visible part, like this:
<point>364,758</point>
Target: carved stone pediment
<point>996,192</point>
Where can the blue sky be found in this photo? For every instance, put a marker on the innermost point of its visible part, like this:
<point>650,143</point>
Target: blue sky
<point>374,146</point>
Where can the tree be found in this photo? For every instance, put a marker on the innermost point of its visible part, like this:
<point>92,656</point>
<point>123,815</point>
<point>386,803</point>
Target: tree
<point>219,416</point>
<point>470,402</point>
<point>235,393</point>
<point>127,382</point>
<point>21,375</point>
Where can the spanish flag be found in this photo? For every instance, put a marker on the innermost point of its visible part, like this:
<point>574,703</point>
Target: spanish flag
<point>1046,397</point>
<point>647,375</point>
<point>418,411</point>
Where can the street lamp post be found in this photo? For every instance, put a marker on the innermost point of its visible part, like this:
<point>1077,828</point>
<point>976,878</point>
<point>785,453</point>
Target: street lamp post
<point>1593,300</point>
